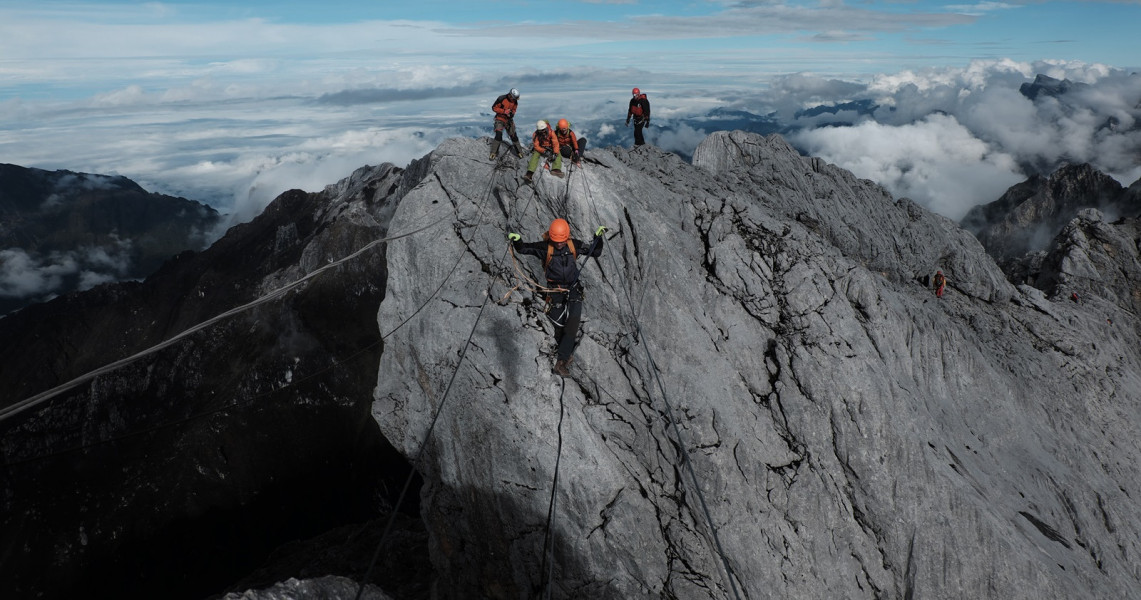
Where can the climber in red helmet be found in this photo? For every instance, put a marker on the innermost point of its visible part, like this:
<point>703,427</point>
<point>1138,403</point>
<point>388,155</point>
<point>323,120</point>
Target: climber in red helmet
<point>640,112</point>
<point>565,292</point>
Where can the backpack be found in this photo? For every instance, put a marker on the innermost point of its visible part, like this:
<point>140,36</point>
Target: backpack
<point>551,251</point>
<point>636,110</point>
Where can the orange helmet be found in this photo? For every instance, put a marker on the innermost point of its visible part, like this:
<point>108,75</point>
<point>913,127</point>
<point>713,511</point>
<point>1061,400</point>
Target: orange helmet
<point>637,91</point>
<point>563,124</point>
<point>559,231</point>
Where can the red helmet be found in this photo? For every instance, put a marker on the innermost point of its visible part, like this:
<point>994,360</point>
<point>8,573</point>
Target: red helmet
<point>559,231</point>
<point>563,124</point>
<point>637,91</point>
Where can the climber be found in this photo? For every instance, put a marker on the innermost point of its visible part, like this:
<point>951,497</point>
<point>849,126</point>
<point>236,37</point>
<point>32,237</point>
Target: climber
<point>546,145</point>
<point>504,108</point>
<point>570,145</point>
<point>940,282</point>
<point>640,110</point>
<point>564,296</point>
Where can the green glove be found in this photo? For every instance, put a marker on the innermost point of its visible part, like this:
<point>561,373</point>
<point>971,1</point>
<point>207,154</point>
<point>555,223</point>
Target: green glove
<point>514,237</point>
<point>601,230</point>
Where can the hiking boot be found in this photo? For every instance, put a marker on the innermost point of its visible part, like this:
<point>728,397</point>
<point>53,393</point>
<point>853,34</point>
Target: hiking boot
<point>561,368</point>
<point>519,151</point>
<point>557,173</point>
<point>493,156</point>
<point>527,177</point>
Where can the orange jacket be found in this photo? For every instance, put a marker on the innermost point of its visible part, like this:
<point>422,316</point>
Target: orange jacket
<point>569,138</point>
<point>504,108</point>
<point>544,140</point>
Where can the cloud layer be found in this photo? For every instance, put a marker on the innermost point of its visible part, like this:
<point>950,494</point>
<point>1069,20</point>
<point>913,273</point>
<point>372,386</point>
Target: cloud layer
<point>949,138</point>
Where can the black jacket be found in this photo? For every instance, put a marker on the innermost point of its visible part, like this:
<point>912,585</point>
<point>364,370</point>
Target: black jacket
<point>562,271</point>
<point>639,101</point>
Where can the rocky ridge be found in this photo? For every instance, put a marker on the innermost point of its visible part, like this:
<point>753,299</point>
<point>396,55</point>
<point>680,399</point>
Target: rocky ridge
<point>853,436</point>
<point>759,316</point>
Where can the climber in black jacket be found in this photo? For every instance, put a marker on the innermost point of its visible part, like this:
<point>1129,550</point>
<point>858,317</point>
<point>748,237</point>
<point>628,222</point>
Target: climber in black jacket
<point>564,296</point>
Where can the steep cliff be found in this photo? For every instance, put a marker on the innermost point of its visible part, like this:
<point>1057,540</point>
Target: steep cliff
<point>767,399</point>
<point>758,316</point>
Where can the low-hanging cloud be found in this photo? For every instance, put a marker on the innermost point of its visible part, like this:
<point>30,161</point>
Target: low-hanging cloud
<point>949,138</point>
<point>954,138</point>
<point>35,276</point>
<point>936,161</point>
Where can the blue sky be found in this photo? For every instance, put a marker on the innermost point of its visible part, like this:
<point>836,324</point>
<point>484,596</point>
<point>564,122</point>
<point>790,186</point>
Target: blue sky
<point>233,102</point>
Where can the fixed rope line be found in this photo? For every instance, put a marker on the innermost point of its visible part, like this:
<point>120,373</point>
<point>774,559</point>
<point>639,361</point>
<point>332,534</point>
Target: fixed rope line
<point>196,416</point>
<point>439,409</point>
<point>673,422</point>
<point>14,409</point>
<point>43,396</point>
<point>549,537</point>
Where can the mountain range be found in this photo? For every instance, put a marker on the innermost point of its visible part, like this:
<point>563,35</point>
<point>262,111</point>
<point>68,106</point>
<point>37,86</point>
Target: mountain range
<point>62,231</point>
<point>768,398</point>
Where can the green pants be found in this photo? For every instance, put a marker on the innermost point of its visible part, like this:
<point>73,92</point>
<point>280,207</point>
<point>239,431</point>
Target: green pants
<point>535,156</point>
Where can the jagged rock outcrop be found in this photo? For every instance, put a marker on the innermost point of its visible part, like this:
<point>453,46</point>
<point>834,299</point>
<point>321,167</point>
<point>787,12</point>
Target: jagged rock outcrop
<point>61,231</point>
<point>1095,260</point>
<point>767,399</point>
<point>1028,216</point>
<point>851,435</point>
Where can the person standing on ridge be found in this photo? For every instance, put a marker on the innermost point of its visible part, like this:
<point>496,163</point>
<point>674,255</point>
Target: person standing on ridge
<point>940,283</point>
<point>640,111</point>
<point>564,298</point>
<point>545,145</point>
<point>504,108</point>
<point>570,145</point>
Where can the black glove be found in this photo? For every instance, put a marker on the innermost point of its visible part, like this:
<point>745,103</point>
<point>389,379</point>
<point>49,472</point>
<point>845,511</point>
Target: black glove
<point>647,123</point>
<point>548,155</point>
<point>627,122</point>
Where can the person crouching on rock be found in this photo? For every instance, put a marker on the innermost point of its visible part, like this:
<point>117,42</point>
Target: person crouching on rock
<point>565,292</point>
<point>546,145</point>
<point>570,145</point>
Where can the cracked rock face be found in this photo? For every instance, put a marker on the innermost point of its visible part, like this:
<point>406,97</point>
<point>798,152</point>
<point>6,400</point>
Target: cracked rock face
<point>761,320</point>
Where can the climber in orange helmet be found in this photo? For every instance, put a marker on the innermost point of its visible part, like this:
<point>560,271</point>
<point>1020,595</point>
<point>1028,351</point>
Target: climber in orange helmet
<point>570,145</point>
<point>560,255</point>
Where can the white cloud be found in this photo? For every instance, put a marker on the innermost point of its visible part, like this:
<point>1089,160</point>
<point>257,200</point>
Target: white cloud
<point>936,161</point>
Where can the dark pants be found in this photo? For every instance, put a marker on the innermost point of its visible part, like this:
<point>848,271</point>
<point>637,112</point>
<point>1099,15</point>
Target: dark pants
<point>509,125</point>
<point>568,152</point>
<point>638,125</point>
<point>565,335</point>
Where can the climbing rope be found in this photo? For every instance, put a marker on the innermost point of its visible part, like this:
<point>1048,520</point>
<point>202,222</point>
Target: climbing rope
<point>415,464</point>
<point>670,413</point>
<point>14,409</point>
<point>548,563</point>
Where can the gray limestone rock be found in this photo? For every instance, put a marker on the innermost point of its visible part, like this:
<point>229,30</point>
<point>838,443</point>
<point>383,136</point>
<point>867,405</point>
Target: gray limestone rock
<point>758,319</point>
<point>767,400</point>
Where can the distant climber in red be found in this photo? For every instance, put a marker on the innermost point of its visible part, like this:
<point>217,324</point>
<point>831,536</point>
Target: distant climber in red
<point>940,283</point>
<point>640,111</point>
